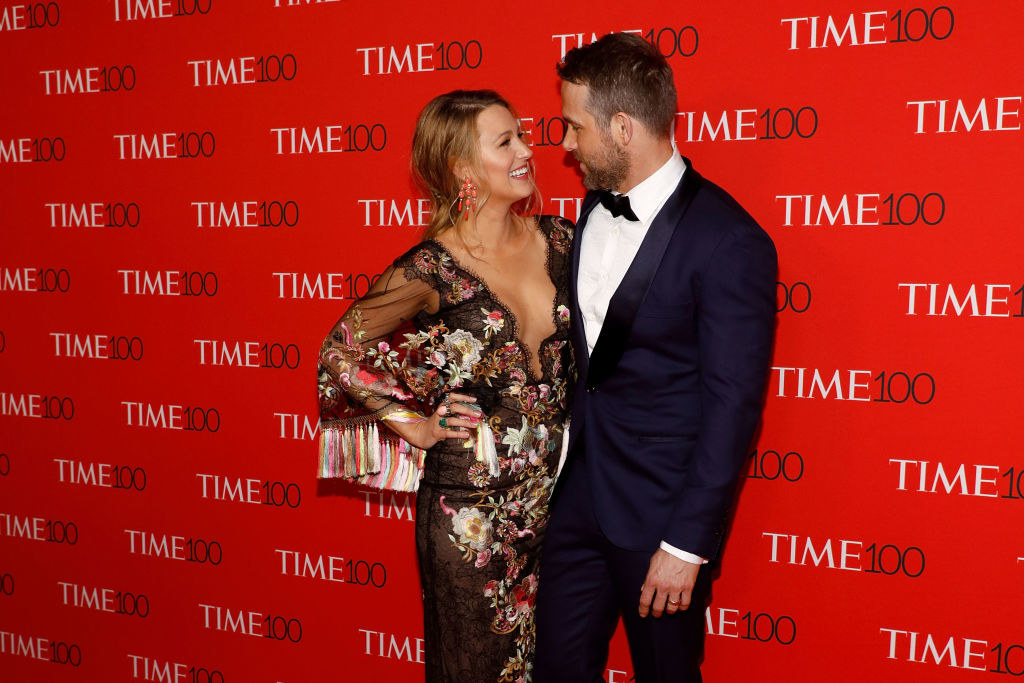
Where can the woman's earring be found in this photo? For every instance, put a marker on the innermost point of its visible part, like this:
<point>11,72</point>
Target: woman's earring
<point>467,197</point>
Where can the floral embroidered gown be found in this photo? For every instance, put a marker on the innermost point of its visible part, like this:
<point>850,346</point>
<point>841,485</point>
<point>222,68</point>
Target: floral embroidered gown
<point>482,506</point>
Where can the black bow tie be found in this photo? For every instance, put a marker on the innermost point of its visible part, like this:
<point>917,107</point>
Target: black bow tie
<point>617,205</point>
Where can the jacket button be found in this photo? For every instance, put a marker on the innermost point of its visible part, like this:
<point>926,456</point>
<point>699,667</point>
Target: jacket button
<point>591,390</point>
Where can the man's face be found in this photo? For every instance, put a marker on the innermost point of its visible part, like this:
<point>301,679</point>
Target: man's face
<point>603,161</point>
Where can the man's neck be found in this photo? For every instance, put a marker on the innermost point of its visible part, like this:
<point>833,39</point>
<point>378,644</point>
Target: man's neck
<point>644,163</point>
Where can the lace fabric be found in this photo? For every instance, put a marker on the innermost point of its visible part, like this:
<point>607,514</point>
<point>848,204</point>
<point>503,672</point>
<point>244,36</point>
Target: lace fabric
<point>428,327</point>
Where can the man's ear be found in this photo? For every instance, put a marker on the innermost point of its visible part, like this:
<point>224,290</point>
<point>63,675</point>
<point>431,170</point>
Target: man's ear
<point>622,128</point>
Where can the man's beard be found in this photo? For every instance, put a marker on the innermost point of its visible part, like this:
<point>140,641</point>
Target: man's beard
<point>608,172</point>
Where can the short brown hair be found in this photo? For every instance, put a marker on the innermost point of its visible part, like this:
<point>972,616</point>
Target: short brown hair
<point>445,134</point>
<point>624,73</point>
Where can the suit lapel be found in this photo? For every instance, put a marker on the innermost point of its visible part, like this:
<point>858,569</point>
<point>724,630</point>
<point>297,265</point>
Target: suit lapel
<point>631,291</point>
<point>579,335</point>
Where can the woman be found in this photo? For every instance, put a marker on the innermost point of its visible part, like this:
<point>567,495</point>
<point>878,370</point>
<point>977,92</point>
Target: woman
<point>472,393</point>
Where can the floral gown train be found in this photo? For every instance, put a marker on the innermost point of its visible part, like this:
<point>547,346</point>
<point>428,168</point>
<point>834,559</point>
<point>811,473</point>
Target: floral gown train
<point>479,520</point>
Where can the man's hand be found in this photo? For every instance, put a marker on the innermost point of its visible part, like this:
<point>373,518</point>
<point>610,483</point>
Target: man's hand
<point>668,584</point>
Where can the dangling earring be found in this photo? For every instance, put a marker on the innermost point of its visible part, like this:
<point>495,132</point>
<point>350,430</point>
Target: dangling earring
<point>467,197</point>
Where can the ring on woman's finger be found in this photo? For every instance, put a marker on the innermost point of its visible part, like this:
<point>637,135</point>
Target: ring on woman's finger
<point>443,422</point>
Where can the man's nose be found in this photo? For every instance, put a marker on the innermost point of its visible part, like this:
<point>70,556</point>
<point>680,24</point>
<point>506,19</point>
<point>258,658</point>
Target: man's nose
<point>569,141</point>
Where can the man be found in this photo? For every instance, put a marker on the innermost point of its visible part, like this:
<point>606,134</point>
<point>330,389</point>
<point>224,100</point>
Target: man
<point>673,291</point>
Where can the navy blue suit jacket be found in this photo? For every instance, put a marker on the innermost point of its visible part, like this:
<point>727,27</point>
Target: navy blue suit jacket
<point>668,402</point>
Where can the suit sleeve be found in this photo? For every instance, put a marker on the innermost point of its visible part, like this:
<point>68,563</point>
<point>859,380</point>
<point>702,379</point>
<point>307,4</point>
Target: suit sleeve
<point>735,328</point>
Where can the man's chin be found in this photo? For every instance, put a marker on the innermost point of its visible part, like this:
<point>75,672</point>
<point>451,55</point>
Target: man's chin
<point>589,181</point>
<point>588,177</point>
<point>599,179</point>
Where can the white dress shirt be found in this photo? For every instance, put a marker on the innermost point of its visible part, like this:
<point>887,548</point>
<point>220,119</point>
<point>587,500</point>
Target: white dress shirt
<point>607,249</point>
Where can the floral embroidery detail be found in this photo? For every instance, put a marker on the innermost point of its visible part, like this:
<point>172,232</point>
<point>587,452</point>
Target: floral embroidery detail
<point>519,440</point>
<point>463,349</point>
<point>538,403</point>
<point>494,321</point>
<point>478,475</point>
<point>524,595</point>
<point>457,377</point>
<point>385,355</point>
<point>489,527</point>
<point>427,261</point>
<point>561,236</point>
<point>421,381</point>
<point>553,351</point>
<point>488,368</point>
<point>563,313</point>
<point>464,290</point>
<point>473,528</point>
<point>513,360</point>
<point>514,670</point>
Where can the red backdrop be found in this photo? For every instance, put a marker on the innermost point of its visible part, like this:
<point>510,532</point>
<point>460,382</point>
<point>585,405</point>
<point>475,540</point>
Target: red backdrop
<point>193,189</point>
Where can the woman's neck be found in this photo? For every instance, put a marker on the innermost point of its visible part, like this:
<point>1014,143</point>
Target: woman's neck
<point>493,229</point>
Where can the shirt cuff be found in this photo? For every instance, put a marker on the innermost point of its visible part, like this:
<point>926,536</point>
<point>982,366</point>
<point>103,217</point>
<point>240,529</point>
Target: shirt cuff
<point>682,554</point>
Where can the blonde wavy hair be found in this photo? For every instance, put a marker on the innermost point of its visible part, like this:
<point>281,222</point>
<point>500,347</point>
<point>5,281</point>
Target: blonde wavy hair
<point>446,134</point>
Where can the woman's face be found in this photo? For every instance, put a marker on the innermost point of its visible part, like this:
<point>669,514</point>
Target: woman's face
<point>504,157</point>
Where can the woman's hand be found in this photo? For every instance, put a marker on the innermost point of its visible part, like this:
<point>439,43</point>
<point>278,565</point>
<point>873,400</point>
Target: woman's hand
<point>453,419</point>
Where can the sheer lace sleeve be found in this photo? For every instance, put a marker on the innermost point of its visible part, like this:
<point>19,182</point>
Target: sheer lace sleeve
<point>370,372</point>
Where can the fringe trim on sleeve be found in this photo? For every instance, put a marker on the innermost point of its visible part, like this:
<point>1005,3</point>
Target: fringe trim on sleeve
<point>358,452</point>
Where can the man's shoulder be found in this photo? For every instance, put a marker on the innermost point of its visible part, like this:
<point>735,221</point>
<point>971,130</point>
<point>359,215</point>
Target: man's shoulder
<point>715,211</point>
<point>712,197</point>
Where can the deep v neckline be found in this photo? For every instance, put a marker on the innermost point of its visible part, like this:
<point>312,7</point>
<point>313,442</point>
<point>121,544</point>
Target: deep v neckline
<point>532,377</point>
